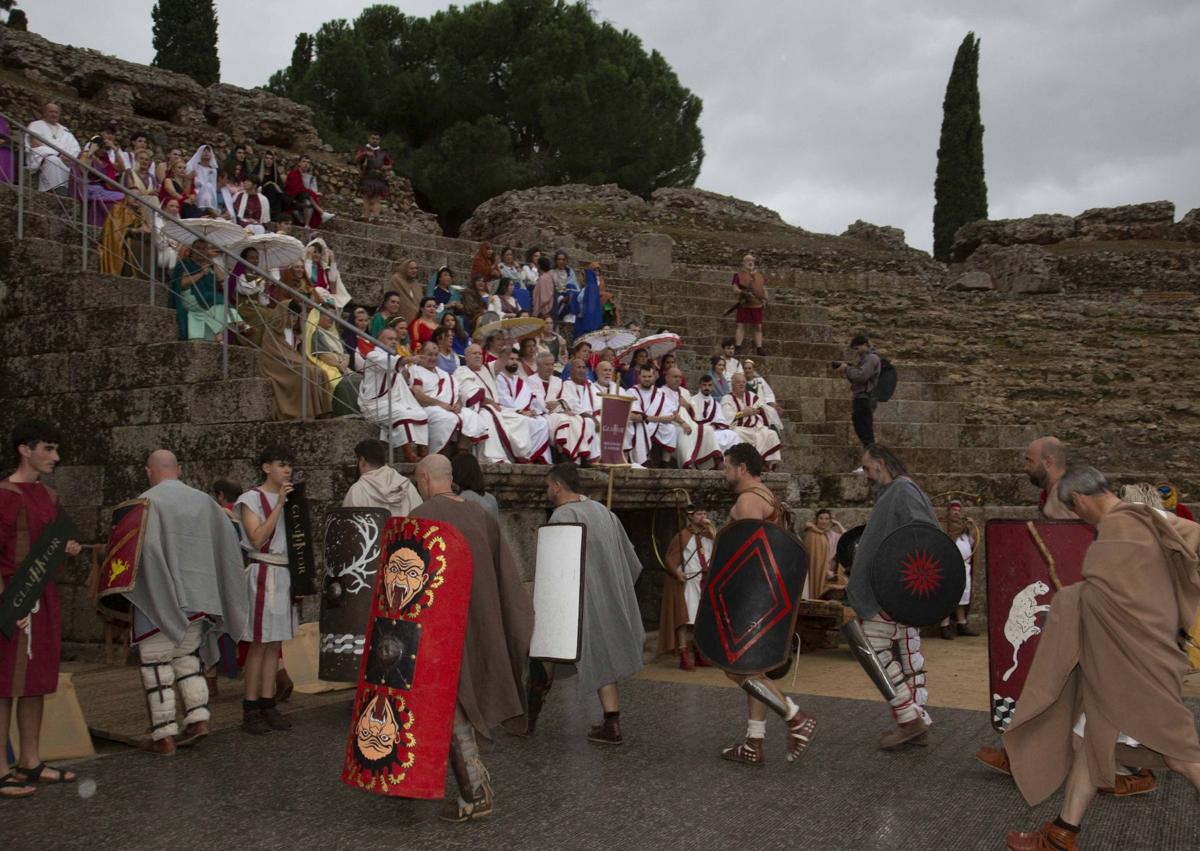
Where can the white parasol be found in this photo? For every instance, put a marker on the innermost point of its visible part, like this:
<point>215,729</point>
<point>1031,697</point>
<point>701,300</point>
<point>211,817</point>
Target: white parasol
<point>609,338</point>
<point>275,250</point>
<point>216,232</point>
<point>656,345</point>
<point>519,327</point>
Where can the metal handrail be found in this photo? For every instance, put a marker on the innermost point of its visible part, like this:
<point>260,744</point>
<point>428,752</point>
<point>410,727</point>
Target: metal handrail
<point>25,133</point>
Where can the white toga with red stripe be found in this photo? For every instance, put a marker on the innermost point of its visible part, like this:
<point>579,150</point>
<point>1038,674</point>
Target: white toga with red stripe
<point>385,400</point>
<point>753,427</point>
<point>574,426</point>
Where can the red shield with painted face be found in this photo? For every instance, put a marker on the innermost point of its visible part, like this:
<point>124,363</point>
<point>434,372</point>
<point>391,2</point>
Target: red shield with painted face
<point>408,683</point>
<point>1027,561</point>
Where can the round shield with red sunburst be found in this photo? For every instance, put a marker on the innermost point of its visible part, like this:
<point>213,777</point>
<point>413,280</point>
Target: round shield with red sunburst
<point>918,575</point>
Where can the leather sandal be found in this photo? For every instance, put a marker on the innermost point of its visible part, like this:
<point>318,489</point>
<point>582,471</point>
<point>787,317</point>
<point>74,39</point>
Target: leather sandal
<point>1141,783</point>
<point>749,752</point>
<point>800,732</point>
<point>13,787</point>
<point>34,775</point>
<point>914,732</point>
<point>1050,838</point>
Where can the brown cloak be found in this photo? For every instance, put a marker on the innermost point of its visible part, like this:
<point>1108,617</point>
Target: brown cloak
<point>499,621</point>
<point>282,365</point>
<point>674,612</point>
<point>1110,649</point>
<point>816,548</point>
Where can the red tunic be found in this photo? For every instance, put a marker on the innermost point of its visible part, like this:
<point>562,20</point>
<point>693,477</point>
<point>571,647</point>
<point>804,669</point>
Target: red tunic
<point>23,673</point>
<point>418,333</point>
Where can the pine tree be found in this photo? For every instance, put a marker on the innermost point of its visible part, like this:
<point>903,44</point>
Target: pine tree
<point>185,39</point>
<point>959,191</point>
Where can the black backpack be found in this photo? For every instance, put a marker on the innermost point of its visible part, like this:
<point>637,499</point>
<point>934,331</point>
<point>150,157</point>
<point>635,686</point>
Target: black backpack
<point>885,384</point>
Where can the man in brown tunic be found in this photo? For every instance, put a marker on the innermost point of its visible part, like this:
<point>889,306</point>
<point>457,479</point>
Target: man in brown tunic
<point>1045,463</point>
<point>496,649</point>
<point>1110,660</point>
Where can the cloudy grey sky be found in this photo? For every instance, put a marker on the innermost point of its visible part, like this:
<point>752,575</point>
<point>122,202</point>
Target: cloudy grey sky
<point>830,112</point>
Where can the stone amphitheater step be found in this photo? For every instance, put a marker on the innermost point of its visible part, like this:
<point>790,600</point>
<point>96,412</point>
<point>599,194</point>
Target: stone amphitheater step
<point>953,435</point>
<point>55,293</point>
<point>788,387</point>
<point>122,368</point>
<point>80,330</point>
<point>923,459</point>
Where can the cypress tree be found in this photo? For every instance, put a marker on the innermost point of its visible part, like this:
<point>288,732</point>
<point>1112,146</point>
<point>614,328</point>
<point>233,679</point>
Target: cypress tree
<point>959,191</point>
<point>185,39</point>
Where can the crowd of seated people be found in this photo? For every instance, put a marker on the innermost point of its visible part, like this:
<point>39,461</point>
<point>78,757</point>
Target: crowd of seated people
<point>442,373</point>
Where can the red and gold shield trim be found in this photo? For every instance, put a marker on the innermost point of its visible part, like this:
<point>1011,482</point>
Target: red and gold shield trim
<point>119,569</point>
<point>1027,562</point>
<point>408,682</point>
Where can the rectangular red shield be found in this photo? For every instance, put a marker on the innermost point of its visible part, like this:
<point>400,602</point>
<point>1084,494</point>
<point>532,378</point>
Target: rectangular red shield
<point>119,569</point>
<point>399,739</point>
<point>1020,586</point>
<point>614,419</point>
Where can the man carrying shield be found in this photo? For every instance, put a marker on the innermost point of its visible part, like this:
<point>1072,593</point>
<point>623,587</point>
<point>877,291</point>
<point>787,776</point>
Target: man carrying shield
<point>898,503</point>
<point>743,469</point>
<point>29,656</point>
<point>496,649</point>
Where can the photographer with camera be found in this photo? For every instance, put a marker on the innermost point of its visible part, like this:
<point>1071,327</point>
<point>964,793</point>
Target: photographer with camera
<point>862,377</point>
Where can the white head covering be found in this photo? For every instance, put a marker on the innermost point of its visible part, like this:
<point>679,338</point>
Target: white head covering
<point>206,179</point>
<point>340,295</point>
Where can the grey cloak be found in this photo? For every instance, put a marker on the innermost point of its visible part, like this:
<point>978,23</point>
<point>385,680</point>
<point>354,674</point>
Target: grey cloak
<point>897,504</point>
<point>191,562</point>
<point>613,635</point>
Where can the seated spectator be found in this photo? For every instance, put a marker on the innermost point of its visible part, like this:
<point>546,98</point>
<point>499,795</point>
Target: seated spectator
<point>404,344</point>
<point>166,168</point>
<point>140,179</point>
<point>527,357</point>
<point>579,352</point>
<point>504,303</point>
<point>507,267</point>
<point>821,538</point>
<point>406,283</point>
<point>632,376</point>
<point>475,300</point>
<point>98,156</point>
<point>323,346</point>
<point>46,161</point>
<point>422,327</point>
<point>225,192</point>
<point>760,388</point>
<point>710,416</point>
<point>304,193</point>
<point>198,295</point>
<point>447,359</point>
<point>251,209</point>
<point>203,169</point>
<point>515,394</point>
<point>253,295</point>
<point>544,384</point>
<point>358,346</point>
<point>720,385</point>
<point>665,364</point>
<point>469,483</point>
<point>652,420</point>
<point>270,184</point>
<point>484,263</point>
<point>732,364</point>
<point>386,400</point>
<point>531,269</point>
<point>443,291</point>
<point>280,363</point>
<point>236,166</point>
<point>180,187</point>
<point>440,396</point>
<point>168,249</point>
<point>746,416</point>
<point>552,343</point>
<point>459,338</point>
<point>321,269</point>
<point>389,309</point>
<point>141,142</point>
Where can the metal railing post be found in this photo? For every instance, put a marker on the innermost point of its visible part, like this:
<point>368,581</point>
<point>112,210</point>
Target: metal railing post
<point>153,259</point>
<point>390,419</point>
<point>225,332</point>
<point>303,385</point>
<point>21,187</point>
<point>83,219</point>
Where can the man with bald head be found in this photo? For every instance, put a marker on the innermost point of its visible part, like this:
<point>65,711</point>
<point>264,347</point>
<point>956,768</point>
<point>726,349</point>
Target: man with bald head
<point>47,142</point>
<point>575,425</point>
<point>496,649</point>
<point>1045,463</point>
<point>188,582</point>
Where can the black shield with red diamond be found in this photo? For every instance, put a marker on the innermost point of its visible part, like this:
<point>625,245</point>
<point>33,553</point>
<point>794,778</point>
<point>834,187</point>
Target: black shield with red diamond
<point>918,575</point>
<point>748,606</point>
